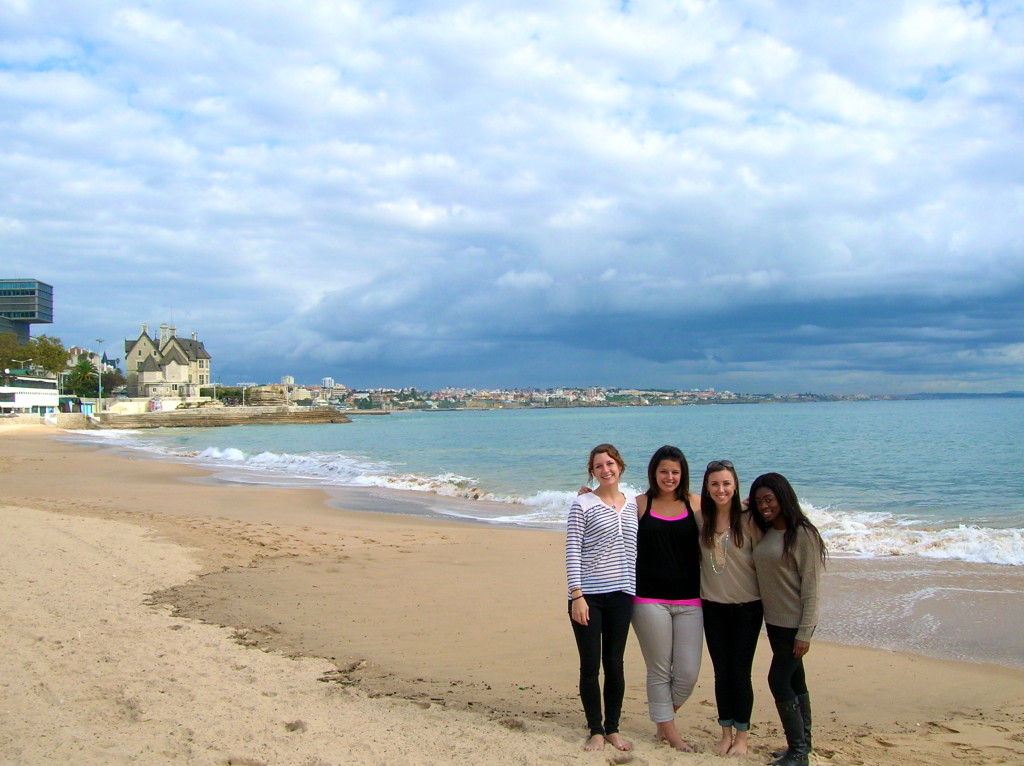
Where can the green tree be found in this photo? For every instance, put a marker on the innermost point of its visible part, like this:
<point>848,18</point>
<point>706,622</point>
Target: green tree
<point>227,394</point>
<point>82,380</point>
<point>10,350</point>
<point>113,380</point>
<point>48,354</point>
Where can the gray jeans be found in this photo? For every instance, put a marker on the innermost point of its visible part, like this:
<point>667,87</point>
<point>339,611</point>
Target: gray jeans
<point>671,637</point>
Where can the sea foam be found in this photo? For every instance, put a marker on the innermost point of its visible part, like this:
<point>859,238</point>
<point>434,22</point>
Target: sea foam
<point>879,534</point>
<point>867,534</point>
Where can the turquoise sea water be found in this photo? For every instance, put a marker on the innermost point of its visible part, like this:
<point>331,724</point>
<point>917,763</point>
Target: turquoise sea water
<point>935,478</point>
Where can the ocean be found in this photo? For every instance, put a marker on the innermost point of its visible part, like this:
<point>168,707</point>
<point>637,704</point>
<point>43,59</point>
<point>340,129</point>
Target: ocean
<point>935,479</point>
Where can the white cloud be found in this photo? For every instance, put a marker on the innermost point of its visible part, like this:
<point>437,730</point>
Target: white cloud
<point>525,280</point>
<point>149,28</point>
<point>355,158</point>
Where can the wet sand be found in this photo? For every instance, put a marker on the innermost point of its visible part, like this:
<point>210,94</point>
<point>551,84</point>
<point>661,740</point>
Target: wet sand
<point>950,609</point>
<point>419,641</point>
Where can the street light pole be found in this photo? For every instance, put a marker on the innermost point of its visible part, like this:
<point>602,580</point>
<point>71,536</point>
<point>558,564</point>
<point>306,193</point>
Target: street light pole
<point>99,376</point>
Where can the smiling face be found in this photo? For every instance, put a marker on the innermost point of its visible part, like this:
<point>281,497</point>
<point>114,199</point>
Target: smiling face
<point>769,508</point>
<point>605,469</point>
<point>721,486</point>
<point>668,474</point>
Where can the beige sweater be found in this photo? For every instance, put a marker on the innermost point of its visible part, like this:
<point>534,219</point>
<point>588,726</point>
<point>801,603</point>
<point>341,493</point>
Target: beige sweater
<point>789,587</point>
<point>728,577</point>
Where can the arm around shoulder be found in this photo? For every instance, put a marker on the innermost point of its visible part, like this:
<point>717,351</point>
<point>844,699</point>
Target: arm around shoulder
<point>750,528</point>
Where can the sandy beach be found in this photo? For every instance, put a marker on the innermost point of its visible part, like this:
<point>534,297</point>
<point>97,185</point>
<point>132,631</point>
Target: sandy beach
<point>148,614</point>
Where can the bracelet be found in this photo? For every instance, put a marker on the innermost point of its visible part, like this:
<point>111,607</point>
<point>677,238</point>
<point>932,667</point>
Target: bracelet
<point>576,598</point>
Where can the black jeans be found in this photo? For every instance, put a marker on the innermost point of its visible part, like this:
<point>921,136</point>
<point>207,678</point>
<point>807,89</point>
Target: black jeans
<point>731,631</point>
<point>786,675</point>
<point>603,641</point>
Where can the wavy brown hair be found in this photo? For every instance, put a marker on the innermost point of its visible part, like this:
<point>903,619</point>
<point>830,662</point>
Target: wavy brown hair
<point>709,508</point>
<point>612,453</point>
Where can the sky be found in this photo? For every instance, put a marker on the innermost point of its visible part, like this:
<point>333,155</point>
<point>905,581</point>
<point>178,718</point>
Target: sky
<point>752,195</point>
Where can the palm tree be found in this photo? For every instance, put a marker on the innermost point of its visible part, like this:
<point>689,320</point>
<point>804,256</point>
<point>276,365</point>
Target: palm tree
<point>83,380</point>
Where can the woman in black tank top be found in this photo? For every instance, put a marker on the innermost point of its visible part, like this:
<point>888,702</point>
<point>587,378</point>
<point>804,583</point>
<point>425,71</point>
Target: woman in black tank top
<point>667,615</point>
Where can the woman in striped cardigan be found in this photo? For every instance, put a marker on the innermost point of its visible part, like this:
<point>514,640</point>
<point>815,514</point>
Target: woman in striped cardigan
<point>600,557</point>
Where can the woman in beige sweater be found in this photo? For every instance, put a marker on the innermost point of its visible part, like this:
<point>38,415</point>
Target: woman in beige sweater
<point>789,561</point>
<point>731,600</point>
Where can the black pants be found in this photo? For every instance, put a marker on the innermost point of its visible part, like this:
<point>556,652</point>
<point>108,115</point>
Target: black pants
<point>731,631</point>
<point>603,642</point>
<point>786,675</point>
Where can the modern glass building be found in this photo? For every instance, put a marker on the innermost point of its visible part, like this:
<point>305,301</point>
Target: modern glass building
<point>24,302</point>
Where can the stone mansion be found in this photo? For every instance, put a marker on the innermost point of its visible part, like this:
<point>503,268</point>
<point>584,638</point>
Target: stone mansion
<point>170,367</point>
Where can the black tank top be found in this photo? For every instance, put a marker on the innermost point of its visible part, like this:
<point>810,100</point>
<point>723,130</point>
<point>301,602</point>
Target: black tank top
<point>668,557</point>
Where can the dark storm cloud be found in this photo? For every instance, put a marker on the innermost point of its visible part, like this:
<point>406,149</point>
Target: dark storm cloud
<point>734,195</point>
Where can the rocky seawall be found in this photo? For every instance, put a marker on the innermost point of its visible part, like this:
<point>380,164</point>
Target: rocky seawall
<point>204,417</point>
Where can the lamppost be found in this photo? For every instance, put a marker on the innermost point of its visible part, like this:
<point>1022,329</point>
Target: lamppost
<point>23,363</point>
<point>99,376</point>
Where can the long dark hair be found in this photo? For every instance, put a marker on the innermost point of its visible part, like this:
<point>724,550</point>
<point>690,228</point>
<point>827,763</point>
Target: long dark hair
<point>789,506</point>
<point>668,452</point>
<point>710,509</point>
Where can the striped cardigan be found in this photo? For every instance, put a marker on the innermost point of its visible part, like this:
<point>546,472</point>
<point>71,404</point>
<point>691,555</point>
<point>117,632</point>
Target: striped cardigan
<point>600,546</point>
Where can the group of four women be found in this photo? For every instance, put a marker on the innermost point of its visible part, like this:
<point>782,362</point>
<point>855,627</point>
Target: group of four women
<point>679,568</point>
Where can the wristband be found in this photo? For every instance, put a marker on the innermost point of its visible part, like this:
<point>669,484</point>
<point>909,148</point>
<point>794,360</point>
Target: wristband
<point>576,598</point>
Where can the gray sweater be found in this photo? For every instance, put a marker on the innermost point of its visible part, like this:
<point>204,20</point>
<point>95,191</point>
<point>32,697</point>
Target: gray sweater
<point>789,587</point>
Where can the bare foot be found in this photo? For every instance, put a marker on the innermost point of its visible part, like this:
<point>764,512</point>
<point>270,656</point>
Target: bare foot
<point>667,731</point>
<point>739,744</point>
<point>619,743</point>
<point>724,745</point>
<point>596,742</point>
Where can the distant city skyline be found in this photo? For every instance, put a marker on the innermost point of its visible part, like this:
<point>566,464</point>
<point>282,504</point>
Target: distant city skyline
<point>744,196</point>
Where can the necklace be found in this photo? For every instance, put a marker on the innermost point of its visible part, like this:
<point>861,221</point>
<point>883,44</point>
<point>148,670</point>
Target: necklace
<point>721,543</point>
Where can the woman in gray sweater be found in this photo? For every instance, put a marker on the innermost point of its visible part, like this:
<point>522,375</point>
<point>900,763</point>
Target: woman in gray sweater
<point>789,561</point>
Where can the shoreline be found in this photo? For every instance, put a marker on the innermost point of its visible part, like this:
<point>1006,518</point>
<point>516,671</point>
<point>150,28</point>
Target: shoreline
<point>895,603</point>
<point>880,520</point>
<point>468,617</point>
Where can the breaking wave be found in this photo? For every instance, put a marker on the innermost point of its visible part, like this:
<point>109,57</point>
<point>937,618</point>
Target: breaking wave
<point>867,534</point>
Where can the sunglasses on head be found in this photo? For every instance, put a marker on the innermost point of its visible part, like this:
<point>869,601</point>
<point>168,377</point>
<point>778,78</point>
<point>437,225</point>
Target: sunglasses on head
<point>714,465</point>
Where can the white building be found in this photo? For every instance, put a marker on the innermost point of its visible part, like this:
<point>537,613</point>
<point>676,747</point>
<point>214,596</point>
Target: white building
<point>28,394</point>
<point>327,383</point>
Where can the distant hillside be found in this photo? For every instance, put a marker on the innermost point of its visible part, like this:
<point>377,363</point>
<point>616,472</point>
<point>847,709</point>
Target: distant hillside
<point>1004,395</point>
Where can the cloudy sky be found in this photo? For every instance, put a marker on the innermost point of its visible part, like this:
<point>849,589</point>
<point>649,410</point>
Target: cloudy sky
<point>751,195</point>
